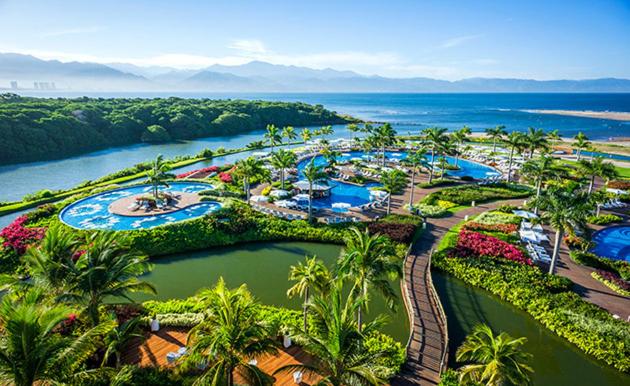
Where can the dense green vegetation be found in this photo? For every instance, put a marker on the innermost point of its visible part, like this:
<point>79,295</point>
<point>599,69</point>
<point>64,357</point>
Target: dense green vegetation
<point>38,129</point>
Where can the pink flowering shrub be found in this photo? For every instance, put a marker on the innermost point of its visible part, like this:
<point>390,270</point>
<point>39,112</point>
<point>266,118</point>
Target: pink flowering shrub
<point>504,228</point>
<point>208,170</point>
<point>477,244</point>
<point>225,177</point>
<point>18,237</point>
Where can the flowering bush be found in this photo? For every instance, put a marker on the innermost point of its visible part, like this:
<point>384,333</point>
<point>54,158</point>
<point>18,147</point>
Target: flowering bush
<point>477,226</point>
<point>476,244</point>
<point>618,184</point>
<point>225,177</point>
<point>498,218</point>
<point>402,233</point>
<point>18,237</point>
<point>612,281</point>
<point>208,170</point>
<point>577,242</point>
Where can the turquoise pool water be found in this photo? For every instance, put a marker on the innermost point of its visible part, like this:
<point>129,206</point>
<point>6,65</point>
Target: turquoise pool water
<point>93,213</point>
<point>613,243</point>
<point>358,195</point>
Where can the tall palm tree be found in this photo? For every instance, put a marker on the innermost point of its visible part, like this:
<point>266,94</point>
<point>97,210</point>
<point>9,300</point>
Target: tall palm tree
<point>338,345</point>
<point>288,132</point>
<point>496,133</point>
<point>435,138</point>
<point>393,181</point>
<point>564,210</point>
<point>283,160</point>
<point>581,143</point>
<point>313,174</point>
<point>539,170</point>
<point>228,338</point>
<point>312,274</point>
<point>306,135</point>
<point>497,360</point>
<point>415,160</point>
<point>273,136</point>
<point>158,174</point>
<point>369,263</point>
<point>554,135</point>
<point>353,128</point>
<point>108,268</point>
<point>535,139</point>
<point>118,339</point>
<point>31,352</point>
<point>448,148</point>
<point>327,130</point>
<point>247,169</point>
<point>596,168</point>
<point>459,137</point>
<point>385,136</point>
<point>515,141</point>
<point>330,155</point>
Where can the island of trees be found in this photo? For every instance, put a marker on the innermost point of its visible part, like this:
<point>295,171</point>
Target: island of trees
<point>35,129</point>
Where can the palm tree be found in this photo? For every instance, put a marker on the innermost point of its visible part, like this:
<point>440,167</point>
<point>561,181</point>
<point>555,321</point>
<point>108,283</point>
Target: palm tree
<point>338,345</point>
<point>228,338</point>
<point>327,130</point>
<point>393,182</point>
<point>288,132</point>
<point>496,133</point>
<point>435,137</point>
<point>30,350</point>
<point>117,339</point>
<point>369,262</point>
<point>581,143</point>
<point>283,160</point>
<point>312,274</point>
<point>554,136</point>
<point>415,160</point>
<point>596,168</point>
<point>313,174</point>
<point>448,148</point>
<point>459,137</point>
<point>158,174</point>
<point>306,135</point>
<point>385,136</point>
<point>497,360</point>
<point>353,128</point>
<point>108,268</point>
<point>539,170</point>
<point>515,141</point>
<point>247,169</point>
<point>564,210</point>
<point>330,155</point>
<point>273,136</point>
<point>535,139</point>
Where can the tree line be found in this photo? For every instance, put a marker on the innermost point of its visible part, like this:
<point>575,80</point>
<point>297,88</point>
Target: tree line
<point>36,129</point>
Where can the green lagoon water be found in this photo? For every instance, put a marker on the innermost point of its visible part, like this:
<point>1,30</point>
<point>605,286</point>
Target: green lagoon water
<point>264,267</point>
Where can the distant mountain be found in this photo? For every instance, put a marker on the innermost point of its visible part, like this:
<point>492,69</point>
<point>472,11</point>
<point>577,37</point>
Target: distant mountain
<point>259,76</point>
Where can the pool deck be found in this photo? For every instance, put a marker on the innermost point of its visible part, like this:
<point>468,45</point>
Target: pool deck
<point>122,207</point>
<point>152,352</point>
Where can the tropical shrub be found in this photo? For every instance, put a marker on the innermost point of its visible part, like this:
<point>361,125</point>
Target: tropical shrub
<point>604,219</point>
<point>612,281</point>
<point>506,208</point>
<point>619,184</point>
<point>446,204</point>
<point>474,244</point>
<point>620,267</point>
<point>465,194</point>
<point>496,217</point>
<point>432,211</point>
<point>187,319</point>
<point>225,177</point>
<point>17,236</point>
<point>266,190</point>
<point>478,226</point>
<point>208,170</point>
<point>399,232</point>
<point>577,242</point>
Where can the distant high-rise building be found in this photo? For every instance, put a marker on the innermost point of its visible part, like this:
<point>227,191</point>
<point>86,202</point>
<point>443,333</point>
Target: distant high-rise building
<point>14,85</point>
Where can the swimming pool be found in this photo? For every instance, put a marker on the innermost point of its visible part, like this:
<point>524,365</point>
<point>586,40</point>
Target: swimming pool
<point>355,195</point>
<point>613,243</point>
<point>93,212</point>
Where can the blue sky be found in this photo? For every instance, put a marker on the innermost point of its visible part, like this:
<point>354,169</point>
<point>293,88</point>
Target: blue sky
<point>441,39</point>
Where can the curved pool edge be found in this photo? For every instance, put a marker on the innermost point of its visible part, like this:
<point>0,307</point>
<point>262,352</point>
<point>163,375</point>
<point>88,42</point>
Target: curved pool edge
<point>622,247</point>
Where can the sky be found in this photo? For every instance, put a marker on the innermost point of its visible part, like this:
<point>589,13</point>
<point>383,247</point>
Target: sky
<point>551,39</point>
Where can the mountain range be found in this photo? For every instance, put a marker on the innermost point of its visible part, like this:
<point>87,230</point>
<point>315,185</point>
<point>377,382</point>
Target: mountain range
<point>259,76</point>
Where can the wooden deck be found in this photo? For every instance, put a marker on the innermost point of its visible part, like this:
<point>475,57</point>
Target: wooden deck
<point>152,352</point>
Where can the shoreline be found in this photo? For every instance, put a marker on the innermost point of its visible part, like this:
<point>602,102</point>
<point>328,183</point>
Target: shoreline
<point>611,115</point>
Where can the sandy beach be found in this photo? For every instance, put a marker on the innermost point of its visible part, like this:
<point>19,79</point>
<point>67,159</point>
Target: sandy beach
<point>616,116</point>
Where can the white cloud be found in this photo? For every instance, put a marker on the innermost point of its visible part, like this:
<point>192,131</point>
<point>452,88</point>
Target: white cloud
<point>248,46</point>
<point>71,31</point>
<point>459,40</point>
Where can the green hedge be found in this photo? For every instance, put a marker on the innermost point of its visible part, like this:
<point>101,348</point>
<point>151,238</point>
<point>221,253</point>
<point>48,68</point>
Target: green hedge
<point>621,268</point>
<point>465,194</point>
<point>604,219</point>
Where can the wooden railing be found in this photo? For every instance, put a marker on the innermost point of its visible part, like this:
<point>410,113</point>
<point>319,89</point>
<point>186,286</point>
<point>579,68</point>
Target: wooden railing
<point>442,315</point>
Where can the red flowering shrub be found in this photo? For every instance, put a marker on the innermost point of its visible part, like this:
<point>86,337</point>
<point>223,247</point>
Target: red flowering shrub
<point>18,237</point>
<point>399,232</point>
<point>614,278</point>
<point>618,184</point>
<point>225,177</point>
<point>504,228</point>
<point>205,171</point>
<point>477,244</point>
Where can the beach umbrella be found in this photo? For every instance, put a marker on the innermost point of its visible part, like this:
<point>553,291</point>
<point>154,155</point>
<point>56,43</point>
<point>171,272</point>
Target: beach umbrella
<point>525,214</point>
